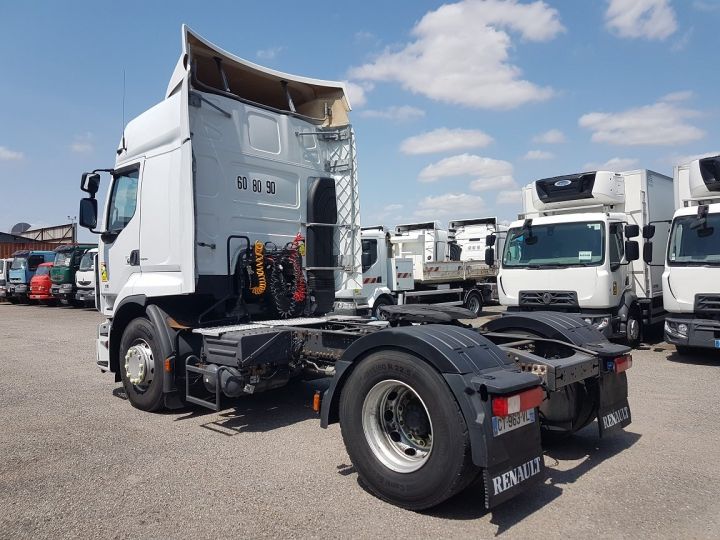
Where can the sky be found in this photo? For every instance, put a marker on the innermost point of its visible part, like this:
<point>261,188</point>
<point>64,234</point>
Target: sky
<point>455,105</point>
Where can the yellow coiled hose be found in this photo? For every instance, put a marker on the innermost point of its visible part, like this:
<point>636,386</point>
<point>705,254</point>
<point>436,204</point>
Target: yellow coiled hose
<point>259,269</point>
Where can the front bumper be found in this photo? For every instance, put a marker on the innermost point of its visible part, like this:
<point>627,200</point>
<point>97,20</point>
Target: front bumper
<point>36,294</point>
<point>85,295</point>
<point>698,332</point>
<point>17,289</point>
<point>63,292</point>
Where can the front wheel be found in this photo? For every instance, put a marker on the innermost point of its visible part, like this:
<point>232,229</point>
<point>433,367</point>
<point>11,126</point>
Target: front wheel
<point>141,365</point>
<point>404,431</point>
<point>380,302</point>
<point>633,328</point>
<point>474,302</point>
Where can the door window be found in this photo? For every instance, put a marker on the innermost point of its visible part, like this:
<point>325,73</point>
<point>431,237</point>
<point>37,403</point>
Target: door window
<point>369,254</point>
<point>617,247</point>
<point>123,200</point>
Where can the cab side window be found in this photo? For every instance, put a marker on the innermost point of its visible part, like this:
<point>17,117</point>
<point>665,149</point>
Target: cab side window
<point>369,254</point>
<point>123,200</point>
<point>617,247</point>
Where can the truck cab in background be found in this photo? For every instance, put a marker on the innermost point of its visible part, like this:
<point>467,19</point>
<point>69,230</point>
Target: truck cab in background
<point>4,277</point>
<point>572,251</point>
<point>66,264</point>
<point>85,280</point>
<point>41,283</point>
<point>424,263</point>
<point>23,268</point>
<point>691,281</point>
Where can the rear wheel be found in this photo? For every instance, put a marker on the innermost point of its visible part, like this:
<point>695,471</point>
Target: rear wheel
<point>474,302</point>
<point>141,365</point>
<point>404,431</point>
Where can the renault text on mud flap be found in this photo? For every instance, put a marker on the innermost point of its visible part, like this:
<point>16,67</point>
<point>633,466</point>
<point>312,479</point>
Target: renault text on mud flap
<point>513,477</point>
<point>615,417</point>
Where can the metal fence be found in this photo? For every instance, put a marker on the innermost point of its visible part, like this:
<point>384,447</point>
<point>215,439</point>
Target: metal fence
<point>7,249</point>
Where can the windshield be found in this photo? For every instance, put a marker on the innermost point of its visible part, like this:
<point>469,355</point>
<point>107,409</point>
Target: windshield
<point>63,258</point>
<point>42,271</point>
<point>87,262</point>
<point>18,263</point>
<point>699,246</point>
<point>555,245</point>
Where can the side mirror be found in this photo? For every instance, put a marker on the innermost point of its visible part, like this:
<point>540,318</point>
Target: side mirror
<point>90,183</point>
<point>490,256</point>
<point>648,232</point>
<point>632,250</point>
<point>88,213</point>
<point>647,252</point>
<point>631,231</point>
<point>490,240</point>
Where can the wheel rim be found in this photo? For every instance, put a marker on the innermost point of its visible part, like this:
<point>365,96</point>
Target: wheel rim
<point>473,304</point>
<point>397,426</point>
<point>139,364</point>
<point>633,329</point>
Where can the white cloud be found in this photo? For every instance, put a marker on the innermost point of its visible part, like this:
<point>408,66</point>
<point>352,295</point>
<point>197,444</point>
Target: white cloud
<point>460,54</point>
<point>662,123</point>
<point>395,113</point>
<point>393,207</point>
<point>83,144</point>
<point>10,155</point>
<point>450,204</point>
<point>357,93</point>
<point>682,42</point>
<point>681,160</point>
<point>706,6</point>
<point>538,155</point>
<point>465,165</point>
<point>509,197</point>
<point>615,164</point>
<point>492,182</point>
<point>444,140</point>
<point>553,136</point>
<point>269,53</point>
<point>648,19</point>
<point>682,95</point>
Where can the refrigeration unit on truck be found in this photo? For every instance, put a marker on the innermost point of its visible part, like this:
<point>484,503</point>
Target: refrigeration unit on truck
<point>691,281</point>
<point>5,265</point>
<point>230,228</point>
<point>67,262</point>
<point>85,279</point>
<point>22,270</point>
<point>421,263</point>
<point>572,250</point>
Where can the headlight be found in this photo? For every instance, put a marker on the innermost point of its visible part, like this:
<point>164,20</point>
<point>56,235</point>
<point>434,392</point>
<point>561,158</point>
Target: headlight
<point>682,329</point>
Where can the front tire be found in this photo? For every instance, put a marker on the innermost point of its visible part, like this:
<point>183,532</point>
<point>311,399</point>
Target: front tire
<point>404,431</point>
<point>382,301</point>
<point>633,328</point>
<point>474,302</point>
<point>141,365</point>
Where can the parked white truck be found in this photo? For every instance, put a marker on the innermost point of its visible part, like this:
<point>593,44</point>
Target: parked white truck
<point>691,281</point>
<point>85,279</point>
<point>571,251</point>
<point>231,225</point>
<point>425,263</point>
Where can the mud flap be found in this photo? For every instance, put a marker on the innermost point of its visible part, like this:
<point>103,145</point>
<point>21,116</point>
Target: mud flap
<point>613,407</point>
<point>523,467</point>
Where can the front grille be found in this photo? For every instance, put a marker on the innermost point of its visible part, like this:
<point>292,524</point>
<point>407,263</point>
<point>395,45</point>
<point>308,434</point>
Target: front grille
<point>564,299</point>
<point>707,303</point>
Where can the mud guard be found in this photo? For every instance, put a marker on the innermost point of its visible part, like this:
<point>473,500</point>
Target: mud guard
<point>474,369</point>
<point>613,407</point>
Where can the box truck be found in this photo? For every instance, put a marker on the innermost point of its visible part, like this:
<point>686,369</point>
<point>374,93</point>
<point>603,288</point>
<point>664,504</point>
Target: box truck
<point>230,228</point>
<point>572,250</point>
<point>691,280</point>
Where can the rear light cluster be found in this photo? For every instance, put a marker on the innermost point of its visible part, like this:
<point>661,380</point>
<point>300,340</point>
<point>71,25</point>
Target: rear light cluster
<point>619,364</point>
<point>529,399</point>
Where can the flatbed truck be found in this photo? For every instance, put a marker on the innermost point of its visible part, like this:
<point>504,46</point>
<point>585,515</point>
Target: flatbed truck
<point>231,228</point>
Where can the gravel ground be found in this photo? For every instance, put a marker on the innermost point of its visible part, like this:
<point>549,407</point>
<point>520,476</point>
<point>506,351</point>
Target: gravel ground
<point>79,461</point>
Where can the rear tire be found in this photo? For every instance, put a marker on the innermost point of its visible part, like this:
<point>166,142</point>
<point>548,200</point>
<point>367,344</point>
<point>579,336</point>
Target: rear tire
<point>444,465</point>
<point>139,347</point>
<point>474,302</point>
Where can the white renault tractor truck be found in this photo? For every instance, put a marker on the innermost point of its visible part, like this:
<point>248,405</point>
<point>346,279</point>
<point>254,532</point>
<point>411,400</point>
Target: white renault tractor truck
<point>231,225</point>
<point>425,263</point>
<point>572,252</point>
<point>691,281</point>
<point>85,279</point>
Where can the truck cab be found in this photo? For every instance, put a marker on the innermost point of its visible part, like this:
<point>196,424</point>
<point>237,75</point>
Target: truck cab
<point>23,268</point>
<point>40,284</point>
<point>85,279</point>
<point>573,250</point>
<point>67,262</point>
<point>691,280</point>
<point>4,277</point>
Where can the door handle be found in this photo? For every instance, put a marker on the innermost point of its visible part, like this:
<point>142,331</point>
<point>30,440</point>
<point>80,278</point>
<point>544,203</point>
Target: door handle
<point>134,258</point>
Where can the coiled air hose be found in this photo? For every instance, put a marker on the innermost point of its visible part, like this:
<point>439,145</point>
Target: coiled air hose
<point>259,270</point>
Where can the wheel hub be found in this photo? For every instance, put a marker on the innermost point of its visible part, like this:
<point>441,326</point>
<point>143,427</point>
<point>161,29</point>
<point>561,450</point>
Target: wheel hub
<point>139,363</point>
<point>397,426</point>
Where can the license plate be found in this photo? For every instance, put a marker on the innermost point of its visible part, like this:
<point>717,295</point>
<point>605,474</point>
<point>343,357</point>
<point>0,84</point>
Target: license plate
<point>504,424</point>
